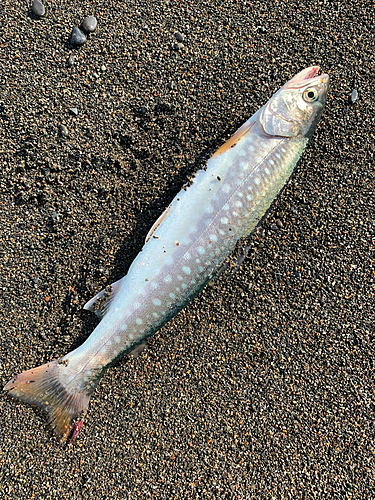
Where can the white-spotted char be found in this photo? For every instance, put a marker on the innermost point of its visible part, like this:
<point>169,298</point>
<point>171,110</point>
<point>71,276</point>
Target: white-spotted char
<point>184,248</point>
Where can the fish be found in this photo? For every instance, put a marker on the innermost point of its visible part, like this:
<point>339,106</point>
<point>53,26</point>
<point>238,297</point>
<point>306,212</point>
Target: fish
<point>183,250</point>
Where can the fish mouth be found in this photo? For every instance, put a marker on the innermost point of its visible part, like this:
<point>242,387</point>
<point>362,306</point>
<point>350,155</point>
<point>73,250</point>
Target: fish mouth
<point>306,77</point>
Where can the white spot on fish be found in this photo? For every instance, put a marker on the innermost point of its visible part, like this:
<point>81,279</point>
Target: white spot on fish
<point>239,182</point>
<point>224,220</point>
<point>239,204</point>
<point>186,269</point>
<point>243,165</point>
<point>156,302</point>
<point>155,285</point>
<point>240,194</point>
<point>201,250</point>
<point>278,156</point>
<point>180,278</point>
<point>139,321</point>
<point>136,305</point>
<point>251,148</point>
<point>168,278</point>
<point>271,162</point>
<point>155,315</point>
<point>131,336</point>
<point>197,261</point>
<point>267,171</point>
<point>187,256</point>
<point>123,327</point>
<point>213,238</point>
<point>257,181</point>
<point>235,214</point>
<point>249,197</point>
<point>221,232</point>
<point>226,207</point>
<point>177,289</point>
<point>117,339</point>
<point>184,286</point>
<point>209,209</point>
<point>227,188</point>
<point>172,295</point>
<point>200,268</point>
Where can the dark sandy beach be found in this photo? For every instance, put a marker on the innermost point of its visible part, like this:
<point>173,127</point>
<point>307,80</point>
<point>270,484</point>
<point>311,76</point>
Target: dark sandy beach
<point>263,387</point>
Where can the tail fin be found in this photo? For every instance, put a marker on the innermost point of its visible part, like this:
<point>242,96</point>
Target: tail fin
<point>41,386</point>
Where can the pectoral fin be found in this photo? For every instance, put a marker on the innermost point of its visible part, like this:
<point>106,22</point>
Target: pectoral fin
<point>232,141</point>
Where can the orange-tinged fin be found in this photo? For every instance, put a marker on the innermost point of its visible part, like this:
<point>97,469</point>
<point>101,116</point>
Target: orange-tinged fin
<point>41,387</point>
<point>232,141</point>
<point>157,223</point>
<point>102,300</point>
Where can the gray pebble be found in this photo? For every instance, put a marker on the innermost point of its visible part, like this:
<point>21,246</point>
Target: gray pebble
<point>89,24</point>
<point>38,8</point>
<point>77,38</point>
<point>64,131</point>
<point>70,61</point>
<point>179,36</point>
<point>54,217</point>
<point>354,95</point>
<point>178,46</point>
<point>73,111</point>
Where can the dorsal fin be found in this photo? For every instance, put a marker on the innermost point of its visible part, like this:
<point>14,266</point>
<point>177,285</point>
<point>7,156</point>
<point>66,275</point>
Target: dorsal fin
<point>232,141</point>
<point>157,223</point>
<point>102,300</point>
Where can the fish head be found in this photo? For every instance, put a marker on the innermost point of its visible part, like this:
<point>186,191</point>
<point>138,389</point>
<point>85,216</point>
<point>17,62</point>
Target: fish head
<point>296,108</point>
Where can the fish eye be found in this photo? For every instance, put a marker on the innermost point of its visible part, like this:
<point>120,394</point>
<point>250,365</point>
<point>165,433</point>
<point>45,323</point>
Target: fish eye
<point>310,95</point>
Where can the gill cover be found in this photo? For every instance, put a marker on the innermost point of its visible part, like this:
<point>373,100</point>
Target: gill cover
<point>295,109</point>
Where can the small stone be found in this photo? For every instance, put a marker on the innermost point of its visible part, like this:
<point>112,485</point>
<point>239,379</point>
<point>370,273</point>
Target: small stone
<point>89,24</point>
<point>70,61</point>
<point>171,85</point>
<point>178,46</point>
<point>54,217</point>
<point>73,111</point>
<point>103,68</point>
<point>38,8</point>
<point>179,36</point>
<point>77,38</point>
<point>64,131</point>
<point>353,95</point>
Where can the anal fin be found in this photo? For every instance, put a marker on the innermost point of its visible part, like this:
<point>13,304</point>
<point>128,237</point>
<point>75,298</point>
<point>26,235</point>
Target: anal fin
<point>102,300</point>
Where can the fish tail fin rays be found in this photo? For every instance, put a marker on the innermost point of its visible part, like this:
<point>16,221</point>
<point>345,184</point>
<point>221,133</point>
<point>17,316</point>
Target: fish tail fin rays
<point>102,300</point>
<point>42,387</point>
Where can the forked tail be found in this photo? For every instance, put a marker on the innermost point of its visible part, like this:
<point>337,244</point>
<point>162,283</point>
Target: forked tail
<point>42,386</point>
